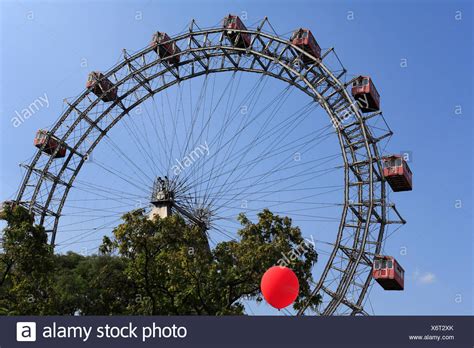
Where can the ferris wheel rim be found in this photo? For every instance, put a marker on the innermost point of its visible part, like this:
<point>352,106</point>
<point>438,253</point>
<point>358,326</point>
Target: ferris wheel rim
<point>372,152</point>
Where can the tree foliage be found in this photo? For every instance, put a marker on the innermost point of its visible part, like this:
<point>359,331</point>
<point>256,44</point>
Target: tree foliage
<point>161,266</point>
<point>91,285</point>
<point>27,261</point>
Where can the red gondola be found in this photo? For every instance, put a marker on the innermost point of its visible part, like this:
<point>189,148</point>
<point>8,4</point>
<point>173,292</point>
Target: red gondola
<point>101,86</point>
<point>52,143</point>
<point>233,23</point>
<point>397,173</point>
<point>164,47</point>
<point>388,273</point>
<point>304,39</point>
<point>365,93</point>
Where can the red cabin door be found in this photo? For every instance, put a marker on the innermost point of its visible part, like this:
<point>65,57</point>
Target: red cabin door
<point>384,270</point>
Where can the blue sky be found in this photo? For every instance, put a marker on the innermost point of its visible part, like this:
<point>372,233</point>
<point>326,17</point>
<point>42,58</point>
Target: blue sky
<point>45,44</point>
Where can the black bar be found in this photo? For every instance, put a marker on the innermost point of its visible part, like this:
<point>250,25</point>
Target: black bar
<point>290,332</point>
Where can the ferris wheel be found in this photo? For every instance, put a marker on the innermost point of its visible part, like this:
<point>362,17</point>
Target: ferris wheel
<point>282,126</point>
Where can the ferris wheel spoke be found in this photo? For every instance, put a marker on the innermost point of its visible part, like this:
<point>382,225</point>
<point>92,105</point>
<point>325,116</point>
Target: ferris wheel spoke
<point>159,144</point>
<point>312,206</point>
<point>107,195</point>
<point>107,190</point>
<point>84,221</point>
<point>127,179</point>
<point>223,232</point>
<point>259,133</point>
<point>251,99</point>
<point>77,239</point>
<point>281,169</point>
<point>258,159</point>
<point>192,143</point>
<point>292,212</point>
<point>244,189</point>
<point>179,110</point>
<point>144,177</point>
<point>300,174</point>
<point>229,111</point>
<point>148,149</point>
<point>274,154</point>
<point>143,150</point>
<point>194,113</point>
<point>211,113</point>
<point>217,141</point>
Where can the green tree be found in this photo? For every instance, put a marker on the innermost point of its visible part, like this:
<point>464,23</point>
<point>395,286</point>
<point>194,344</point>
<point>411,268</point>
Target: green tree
<point>34,281</point>
<point>175,272</point>
<point>160,266</point>
<point>27,264</point>
<point>91,285</point>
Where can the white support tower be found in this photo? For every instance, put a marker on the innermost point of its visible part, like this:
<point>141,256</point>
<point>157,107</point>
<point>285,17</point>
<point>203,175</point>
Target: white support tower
<point>162,199</point>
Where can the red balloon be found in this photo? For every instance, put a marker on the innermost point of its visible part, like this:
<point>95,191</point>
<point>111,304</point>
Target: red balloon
<point>279,286</point>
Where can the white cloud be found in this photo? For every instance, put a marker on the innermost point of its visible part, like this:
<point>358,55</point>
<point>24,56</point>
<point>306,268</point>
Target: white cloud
<point>427,278</point>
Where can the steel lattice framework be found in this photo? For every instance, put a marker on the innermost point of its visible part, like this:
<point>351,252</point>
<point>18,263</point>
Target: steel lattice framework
<point>139,76</point>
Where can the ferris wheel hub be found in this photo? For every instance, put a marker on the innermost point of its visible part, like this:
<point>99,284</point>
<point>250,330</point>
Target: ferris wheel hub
<point>164,201</point>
